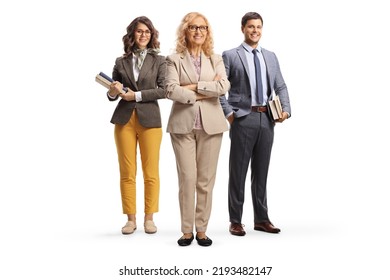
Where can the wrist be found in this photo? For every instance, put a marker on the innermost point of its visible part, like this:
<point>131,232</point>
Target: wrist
<point>110,95</point>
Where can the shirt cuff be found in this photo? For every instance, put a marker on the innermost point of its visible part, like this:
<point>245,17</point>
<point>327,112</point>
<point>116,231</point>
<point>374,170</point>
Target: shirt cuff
<point>138,96</point>
<point>109,96</point>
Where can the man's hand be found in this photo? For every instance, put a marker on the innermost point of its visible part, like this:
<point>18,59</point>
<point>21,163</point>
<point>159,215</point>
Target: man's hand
<point>230,118</point>
<point>283,118</point>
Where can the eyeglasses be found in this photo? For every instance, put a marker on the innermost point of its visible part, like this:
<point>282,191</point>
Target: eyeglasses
<point>142,32</point>
<point>202,28</point>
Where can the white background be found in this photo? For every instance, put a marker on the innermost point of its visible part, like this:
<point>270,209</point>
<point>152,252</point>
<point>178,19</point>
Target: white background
<point>329,176</point>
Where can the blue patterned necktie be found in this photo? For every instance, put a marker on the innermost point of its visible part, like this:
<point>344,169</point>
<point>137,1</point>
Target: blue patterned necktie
<point>259,83</point>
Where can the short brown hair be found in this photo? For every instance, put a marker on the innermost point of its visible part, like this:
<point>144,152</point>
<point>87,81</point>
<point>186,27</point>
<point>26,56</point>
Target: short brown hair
<point>249,16</point>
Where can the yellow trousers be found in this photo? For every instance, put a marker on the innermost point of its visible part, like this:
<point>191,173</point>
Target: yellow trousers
<point>149,140</point>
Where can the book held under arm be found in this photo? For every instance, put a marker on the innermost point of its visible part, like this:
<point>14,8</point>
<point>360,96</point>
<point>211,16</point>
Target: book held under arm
<point>275,107</point>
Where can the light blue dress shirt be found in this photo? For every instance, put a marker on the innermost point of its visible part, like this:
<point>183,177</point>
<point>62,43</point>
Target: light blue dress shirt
<point>252,78</point>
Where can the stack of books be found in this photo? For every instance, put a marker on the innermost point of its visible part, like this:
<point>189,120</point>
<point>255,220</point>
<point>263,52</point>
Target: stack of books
<point>106,81</point>
<point>275,107</point>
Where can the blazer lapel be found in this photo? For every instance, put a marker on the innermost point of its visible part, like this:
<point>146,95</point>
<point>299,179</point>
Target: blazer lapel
<point>128,66</point>
<point>146,66</point>
<point>242,56</point>
<point>188,67</point>
<point>206,68</point>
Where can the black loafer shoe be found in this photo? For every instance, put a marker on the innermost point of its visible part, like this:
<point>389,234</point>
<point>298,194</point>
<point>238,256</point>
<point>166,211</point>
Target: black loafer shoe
<point>185,241</point>
<point>204,241</point>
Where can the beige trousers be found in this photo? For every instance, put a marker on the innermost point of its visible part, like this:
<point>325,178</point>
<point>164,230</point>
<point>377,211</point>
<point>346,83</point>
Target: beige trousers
<point>196,160</point>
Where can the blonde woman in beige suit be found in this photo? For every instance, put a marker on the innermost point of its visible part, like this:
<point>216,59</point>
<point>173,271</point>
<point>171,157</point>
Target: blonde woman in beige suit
<point>195,79</point>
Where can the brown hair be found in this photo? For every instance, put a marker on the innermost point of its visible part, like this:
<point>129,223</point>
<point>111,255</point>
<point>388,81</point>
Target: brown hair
<point>129,41</point>
<point>249,16</point>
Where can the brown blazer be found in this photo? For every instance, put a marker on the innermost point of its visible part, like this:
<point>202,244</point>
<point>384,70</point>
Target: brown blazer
<point>181,71</point>
<point>150,83</point>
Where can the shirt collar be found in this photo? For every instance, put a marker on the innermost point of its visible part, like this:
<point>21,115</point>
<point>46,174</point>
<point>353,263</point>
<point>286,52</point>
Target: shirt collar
<point>249,48</point>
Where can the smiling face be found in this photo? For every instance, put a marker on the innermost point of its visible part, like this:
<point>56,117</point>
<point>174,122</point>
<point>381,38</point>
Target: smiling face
<point>196,32</point>
<point>142,36</point>
<point>252,32</point>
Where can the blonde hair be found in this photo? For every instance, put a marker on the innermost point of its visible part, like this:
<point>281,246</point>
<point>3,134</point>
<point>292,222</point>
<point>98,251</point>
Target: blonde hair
<point>181,41</point>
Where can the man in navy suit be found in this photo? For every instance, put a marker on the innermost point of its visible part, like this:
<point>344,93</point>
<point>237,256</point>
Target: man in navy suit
<point>254,74</point>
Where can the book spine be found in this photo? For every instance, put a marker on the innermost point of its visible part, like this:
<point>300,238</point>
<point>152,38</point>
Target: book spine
<point>106,81</point>
<point>106,77</point>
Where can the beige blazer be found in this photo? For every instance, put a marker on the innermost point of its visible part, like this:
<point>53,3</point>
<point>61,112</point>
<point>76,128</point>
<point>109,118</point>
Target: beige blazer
<point>180,72</point>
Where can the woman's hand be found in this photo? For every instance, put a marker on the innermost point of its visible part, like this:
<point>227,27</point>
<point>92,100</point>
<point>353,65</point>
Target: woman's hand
<point>128,96</point>
<point>115,89</point>
<point>193,87</point>
<point>201,96</point>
